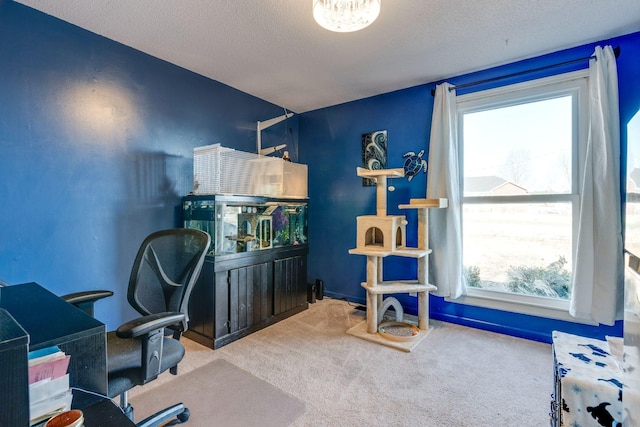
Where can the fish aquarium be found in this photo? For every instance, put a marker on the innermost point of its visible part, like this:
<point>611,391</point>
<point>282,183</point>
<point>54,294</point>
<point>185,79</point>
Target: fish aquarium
<point>246,224</point>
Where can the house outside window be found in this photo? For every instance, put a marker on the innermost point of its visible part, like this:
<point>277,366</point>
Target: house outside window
<point>520,147</point>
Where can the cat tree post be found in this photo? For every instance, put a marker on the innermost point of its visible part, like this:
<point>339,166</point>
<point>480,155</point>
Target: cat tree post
<point>372,299</point>
<point>381,195</point>
<point>423,268</point>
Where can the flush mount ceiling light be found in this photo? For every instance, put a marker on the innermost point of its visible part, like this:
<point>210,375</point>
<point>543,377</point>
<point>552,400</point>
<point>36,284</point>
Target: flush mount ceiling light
<point>344,16</point>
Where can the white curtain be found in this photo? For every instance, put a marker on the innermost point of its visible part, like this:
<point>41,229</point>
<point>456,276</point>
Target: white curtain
<point>445,225</point>
<point>597,293</point>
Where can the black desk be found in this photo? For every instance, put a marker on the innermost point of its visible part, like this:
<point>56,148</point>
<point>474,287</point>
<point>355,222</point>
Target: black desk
<point>103,412</point>
<point>51,321</point>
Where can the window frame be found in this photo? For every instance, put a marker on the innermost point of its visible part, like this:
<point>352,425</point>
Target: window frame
<point>574,84</point>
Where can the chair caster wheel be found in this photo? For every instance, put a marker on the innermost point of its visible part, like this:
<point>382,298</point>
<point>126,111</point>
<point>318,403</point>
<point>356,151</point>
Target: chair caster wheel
<point>184,416</point>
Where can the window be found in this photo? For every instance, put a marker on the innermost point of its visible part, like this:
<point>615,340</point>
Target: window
<point>520,147</point>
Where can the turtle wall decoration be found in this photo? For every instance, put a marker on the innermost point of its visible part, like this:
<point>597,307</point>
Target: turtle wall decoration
<point>413,164</point>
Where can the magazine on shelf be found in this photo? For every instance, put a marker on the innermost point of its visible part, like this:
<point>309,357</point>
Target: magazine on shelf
<point>49,391</point>
<point>50,365</point>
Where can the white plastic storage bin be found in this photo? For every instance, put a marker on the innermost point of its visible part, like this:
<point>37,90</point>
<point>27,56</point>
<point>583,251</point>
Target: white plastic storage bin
<point>221,170</point>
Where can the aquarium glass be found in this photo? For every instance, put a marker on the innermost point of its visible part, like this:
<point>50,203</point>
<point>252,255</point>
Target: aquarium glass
<point>246,224</point>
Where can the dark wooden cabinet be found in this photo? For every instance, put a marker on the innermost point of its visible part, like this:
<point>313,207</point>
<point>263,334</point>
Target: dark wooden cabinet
<point>32,318</point>
<point>241,293</point>
<point>255,272</point>
<point>14,348</point>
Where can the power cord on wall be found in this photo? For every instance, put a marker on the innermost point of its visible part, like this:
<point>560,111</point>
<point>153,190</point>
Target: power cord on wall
<point>356,306</point>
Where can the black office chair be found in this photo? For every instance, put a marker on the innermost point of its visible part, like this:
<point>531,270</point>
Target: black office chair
<point>164,272</point>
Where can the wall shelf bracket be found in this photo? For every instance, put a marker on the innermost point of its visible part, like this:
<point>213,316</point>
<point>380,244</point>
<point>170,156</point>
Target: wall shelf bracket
<point>264,125</point>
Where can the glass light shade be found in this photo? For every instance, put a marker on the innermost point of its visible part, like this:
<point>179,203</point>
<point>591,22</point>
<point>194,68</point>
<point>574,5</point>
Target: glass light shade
<point>344,16</point>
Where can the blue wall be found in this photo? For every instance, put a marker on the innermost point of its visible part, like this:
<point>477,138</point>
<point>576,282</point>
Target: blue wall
<point>96,149</point>
<point>331,146</point>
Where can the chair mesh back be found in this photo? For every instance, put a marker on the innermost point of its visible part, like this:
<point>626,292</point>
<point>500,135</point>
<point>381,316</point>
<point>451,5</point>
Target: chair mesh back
<point>165,270</point>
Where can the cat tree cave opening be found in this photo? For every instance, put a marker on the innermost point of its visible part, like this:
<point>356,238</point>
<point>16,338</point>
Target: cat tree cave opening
<point>374,237</point>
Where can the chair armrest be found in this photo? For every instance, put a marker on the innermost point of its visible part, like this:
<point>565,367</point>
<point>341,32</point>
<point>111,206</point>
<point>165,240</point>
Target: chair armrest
<point>85,296</point>
<point>149,323</point>
<point>85,300</point>
<point>149,330</point>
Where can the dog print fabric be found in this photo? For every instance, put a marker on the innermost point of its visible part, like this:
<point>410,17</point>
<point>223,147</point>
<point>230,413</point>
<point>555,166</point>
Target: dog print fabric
<point>591,382</point>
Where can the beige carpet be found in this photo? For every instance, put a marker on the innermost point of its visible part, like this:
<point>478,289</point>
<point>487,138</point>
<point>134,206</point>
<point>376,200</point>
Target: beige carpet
<point>457,376</point>
<point>220,393</point>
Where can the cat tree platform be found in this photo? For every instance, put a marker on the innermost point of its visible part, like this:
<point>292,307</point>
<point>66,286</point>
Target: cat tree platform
<point>360,331</point>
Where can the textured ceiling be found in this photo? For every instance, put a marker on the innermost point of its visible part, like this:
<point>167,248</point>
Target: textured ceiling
<point>273,49</point>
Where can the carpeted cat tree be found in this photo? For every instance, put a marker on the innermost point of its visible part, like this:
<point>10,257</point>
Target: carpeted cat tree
<point>382,235</point>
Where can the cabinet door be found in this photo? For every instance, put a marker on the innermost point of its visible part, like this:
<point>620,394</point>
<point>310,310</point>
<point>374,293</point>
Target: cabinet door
<point>201,312</point>
<point>221,304</point>
<point>262,292</point>
<point>289,279</point>
<point>250,296</point>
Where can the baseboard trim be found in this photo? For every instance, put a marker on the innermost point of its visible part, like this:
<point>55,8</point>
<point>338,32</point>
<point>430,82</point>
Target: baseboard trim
<point>492,327</point>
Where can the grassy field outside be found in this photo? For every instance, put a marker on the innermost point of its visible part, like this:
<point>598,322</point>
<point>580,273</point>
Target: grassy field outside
<point>517,238</point>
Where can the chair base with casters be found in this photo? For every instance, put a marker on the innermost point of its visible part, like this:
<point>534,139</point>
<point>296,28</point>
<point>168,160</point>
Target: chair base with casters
<point>166,268</point>
<point>177,411</point>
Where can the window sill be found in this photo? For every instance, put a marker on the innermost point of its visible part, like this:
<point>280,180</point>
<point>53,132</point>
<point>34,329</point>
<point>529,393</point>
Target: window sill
<point>550,308</point>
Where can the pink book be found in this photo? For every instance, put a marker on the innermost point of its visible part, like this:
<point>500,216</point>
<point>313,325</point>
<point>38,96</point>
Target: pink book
<point>49,367</point>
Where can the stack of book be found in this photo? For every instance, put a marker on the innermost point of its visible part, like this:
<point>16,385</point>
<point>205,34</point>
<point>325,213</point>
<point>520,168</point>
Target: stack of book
<point>49,392</point>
